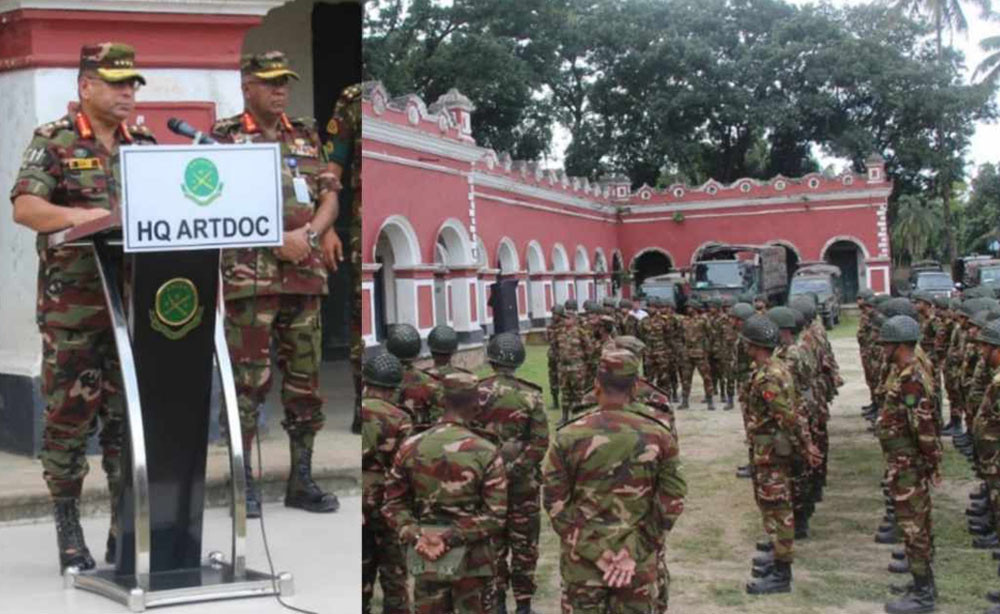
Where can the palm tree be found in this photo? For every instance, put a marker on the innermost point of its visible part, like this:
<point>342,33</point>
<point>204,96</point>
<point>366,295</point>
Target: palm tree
<point>917,223</point>
<point>991,63</point>
<point>944,15</point>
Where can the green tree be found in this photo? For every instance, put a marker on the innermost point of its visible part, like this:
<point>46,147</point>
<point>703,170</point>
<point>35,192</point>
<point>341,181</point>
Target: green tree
<point>918,221</point>
<point>981,214</point>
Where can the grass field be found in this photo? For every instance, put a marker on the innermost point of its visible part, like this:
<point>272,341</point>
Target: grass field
<point>839,568</point>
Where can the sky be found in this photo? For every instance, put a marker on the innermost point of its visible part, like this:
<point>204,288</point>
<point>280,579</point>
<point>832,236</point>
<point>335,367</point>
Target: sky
<point>984,143</point>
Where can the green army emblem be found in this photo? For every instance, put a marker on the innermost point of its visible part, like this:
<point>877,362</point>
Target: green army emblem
<point>176,310</point>
<point>201,181</point>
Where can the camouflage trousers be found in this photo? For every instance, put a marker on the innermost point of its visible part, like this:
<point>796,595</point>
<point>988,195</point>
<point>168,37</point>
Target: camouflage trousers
<point>81,382</point>
<point>294,321</point>
<point>572,385</point>
<point>911,499</point>
<point>956,398</point>
<point>639,598</point>
<point>520,542</point>
<point>357,343</point>
<point>687,374</point>
<point>461,596</point>
<point>870,370</point>
<point>382,558</point>
<point>662,583</point>
<point>727,375</point>
<point>773,492</point>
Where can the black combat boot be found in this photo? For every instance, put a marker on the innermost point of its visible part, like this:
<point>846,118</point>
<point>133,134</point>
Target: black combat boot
<point>953,428</point>
<point>302,491</point>
<point>899,555</point>
<point>899,566</point>
<point>73,550</point>
<point>993,596</point>
<point>778,581</point>
<point>886,537</point>
<point>729,402</point>
<point>252,492</point>
<point>711,406</point>
<point>986,542</point>
<point>764,546</point>
<point>801,525</point>
<point>979,494</point>
<point>501,598</point>
<point>684,403</point>
<point>918,599</point>
<point>524,607</point>
<point>977,508</point>
<point>764,558</point>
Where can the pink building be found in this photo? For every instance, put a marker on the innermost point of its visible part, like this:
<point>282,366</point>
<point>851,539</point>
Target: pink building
<point>445,218</point>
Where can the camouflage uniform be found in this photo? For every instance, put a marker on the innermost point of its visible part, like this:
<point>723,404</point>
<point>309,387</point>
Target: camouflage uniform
<point>514,411</point>
<point>270,298</point>
<point>66,165</point>
<point>572,346</point>
<point>953,371</point>
<point>866,348</point>
<point>420,394</point>
<point>774,431</point>
<point>342,149</point>
<point>728,357</point>
<point>601,497</point>
<point>800,369</point>
<point>696,354</point>
<point>450,478</point>
<point>908,432</point>
<point>551,334</point>
<point>986,430</point>
<point>673,332</point>
<point>384,427</point>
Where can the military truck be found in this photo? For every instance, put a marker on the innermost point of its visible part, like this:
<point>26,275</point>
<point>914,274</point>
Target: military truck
<point>823,280</point>
<point>673,286</point>
<point>736,269</point>
<point>976,270</point>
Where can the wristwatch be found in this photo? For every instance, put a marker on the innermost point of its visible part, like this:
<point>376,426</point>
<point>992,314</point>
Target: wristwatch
<point>312,237</point>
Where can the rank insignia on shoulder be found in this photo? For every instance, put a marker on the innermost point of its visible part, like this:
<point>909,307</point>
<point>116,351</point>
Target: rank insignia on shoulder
<point>82,164</point>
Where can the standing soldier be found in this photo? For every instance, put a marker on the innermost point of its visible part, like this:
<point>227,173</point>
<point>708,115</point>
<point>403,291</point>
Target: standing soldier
<point>68,177</point>
<point>610,507</point>
<point>738,314</point>
<point>443,343</point>
<point>713,323</point>
<point>552,335</point>
<point>629,323</point>
<point>929,325</point>
<point>448,525</point>
<point>775,434</point>
<point>865,344</point>
<point>729,341</point>
<point>513,410</point>
<point>947,309</point>
<point>383,428</point>
<point>696,354</point>
<point>673,332</point>
<point>987,432</point>
<point>573,345</point>
<point>419,392</point>
<point>908,432</point>
<point>277,293</point>
<point>603,338</point>
<point>646,326</point>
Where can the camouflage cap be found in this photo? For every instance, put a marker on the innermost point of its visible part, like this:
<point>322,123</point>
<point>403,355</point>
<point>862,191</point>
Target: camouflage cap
<point>266,66</point>
<point>113,62</point>
<point>570,304</point>
<point>990,333</point>
<point>619,363</point>
<point>922,296</point>
<point>458,386</point>
<point>558,310</point>
<point>630,343</point>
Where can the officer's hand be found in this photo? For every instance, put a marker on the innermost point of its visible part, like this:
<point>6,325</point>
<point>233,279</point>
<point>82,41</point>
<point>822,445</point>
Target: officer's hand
<point>82,216</point>
<point>296,246</point>
<point>332,248</point>
<point>430,546</point>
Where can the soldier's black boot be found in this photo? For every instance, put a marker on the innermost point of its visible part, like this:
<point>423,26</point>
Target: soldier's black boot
<point>73,550</point>
<point>801,525</point>
<point>920,598</point>
<point>302,491</point>
<point>993,596</point>
<point>252,492</point>
<point>524,607</point>
<point>953,427</point>
<point>684,403</point>
<point>729,402</point>
<point>501,599</point>
<point>764,546</point>
<point>711,406</point>
<point>899,555</point>
<point>886,535</point>
<point>986,542</point>
<point>743,472</point>
<point>778,581</point>
<point>899,566</point>
<point>980,493</point>
<point>764,558</point>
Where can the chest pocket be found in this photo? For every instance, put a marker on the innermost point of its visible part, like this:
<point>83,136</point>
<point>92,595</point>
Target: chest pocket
<point>87,185</point>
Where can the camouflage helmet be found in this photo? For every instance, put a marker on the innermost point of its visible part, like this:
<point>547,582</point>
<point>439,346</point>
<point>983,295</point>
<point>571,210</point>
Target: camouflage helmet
<point>442,340</point>
<point>609,302</point>
<point>878,319</point>
<point>630,343</point>
<point>745,297</point>
<point>505,350</point>
<point>590,306</point>
<point>880,299</point>
<point>866,295</point>
<point>800,320</point>
<point>981,318</point>
<point>383,370</point>
<point>653,301</point>
<point>571,304</point>
<point>713,302</point>
<point>742,311</point>
<point>783,317</point>
<point>900,306</point>
<point>558,310</point>
<point>955,304</point>
<point>990,333</point>
<point>899,329</point>
<point>922,296</point>
<point>761,331</point>
<point>805,305</point>
<point>625,304</point>
<point>694,303</point>
<point>941,302</point>
<point>403,341</point>
<point>972,305</point>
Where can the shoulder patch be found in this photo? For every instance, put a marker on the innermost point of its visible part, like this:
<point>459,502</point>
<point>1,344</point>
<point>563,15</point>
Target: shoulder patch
<point>50,129</point>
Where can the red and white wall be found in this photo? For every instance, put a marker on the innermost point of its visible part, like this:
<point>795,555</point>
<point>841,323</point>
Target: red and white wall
<point>444,217</point>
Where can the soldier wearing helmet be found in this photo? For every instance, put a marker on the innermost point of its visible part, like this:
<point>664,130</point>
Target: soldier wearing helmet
<point>443,343</point>
<point>570,347</point>
<point>419,393</point>
<point>551,333</point>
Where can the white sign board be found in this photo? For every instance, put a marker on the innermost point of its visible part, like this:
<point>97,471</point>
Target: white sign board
<point>187,197</point>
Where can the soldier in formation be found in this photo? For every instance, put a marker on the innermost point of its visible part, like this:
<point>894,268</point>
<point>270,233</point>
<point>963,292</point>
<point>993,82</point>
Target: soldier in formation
<point>696,349</point>
<point>986,430</point>
<point>384,428</point>
<point>551,332</point>
<point>572,346</point>
<point>419,390</point>
<point>443,343</point>
<point>67,178</point>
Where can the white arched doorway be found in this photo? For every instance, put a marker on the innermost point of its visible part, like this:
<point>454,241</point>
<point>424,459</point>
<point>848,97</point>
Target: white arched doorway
<point>538,285</point>
<point>456,286</point>
<point>850,255</point>
<point>394,299</point>
<point>584,282</point>
<point>602,280</point>
<point>560,268</point>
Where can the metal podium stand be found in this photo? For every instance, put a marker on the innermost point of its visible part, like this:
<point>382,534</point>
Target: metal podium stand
<point>167,399</point>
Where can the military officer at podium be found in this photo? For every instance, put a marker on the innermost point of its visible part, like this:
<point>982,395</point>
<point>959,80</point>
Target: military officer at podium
<point>276,294</point>
<point>68,177</point>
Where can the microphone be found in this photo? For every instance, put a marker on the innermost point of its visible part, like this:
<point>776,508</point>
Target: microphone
<point>181,127</point>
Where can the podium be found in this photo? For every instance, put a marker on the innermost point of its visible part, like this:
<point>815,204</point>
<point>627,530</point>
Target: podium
<point>168,324</point>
